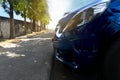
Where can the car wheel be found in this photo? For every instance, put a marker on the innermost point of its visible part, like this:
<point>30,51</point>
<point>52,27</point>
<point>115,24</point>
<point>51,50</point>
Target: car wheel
<point>111,64</point>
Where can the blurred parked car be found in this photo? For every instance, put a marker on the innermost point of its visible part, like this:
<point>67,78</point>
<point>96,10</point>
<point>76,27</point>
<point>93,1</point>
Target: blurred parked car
<point>84,37</point>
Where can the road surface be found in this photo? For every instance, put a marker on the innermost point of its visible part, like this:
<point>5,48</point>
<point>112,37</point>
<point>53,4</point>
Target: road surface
<point>30,59</point>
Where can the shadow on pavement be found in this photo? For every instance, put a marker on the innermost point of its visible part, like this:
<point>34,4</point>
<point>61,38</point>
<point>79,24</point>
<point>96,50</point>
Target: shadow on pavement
<point>29,59</point>
<point>61,72</point>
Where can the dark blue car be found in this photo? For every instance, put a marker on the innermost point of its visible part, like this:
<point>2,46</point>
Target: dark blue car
<point>86,36</point>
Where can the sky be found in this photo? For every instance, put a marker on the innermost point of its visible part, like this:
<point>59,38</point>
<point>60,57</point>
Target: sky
<point>4,14</point>
<point>56,10</point>
<point>58,7</point>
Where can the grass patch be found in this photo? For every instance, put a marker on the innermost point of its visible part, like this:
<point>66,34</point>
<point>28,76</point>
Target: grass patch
<point>35,33</point>
<point>16,40</point>
<point>12,40</point>
<point>1,40</point>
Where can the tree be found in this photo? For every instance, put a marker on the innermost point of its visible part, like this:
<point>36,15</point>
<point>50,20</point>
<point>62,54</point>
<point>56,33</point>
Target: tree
<point>8,6</point>
<point>21,7</point>
<point>35,10</point>
<point>38,11</point>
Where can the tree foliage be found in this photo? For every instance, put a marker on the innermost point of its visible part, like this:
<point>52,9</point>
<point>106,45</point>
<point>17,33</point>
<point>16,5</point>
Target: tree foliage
<point>36,10</point>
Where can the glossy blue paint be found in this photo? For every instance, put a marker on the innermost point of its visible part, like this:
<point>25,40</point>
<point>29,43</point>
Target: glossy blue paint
<point>83,45</point>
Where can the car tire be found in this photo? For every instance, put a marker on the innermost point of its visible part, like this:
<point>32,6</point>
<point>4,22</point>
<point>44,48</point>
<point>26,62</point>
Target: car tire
<point>111,64</point>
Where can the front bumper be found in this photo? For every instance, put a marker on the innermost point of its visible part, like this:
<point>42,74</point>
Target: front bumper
<point>67,58</point>
<point>65,53</point>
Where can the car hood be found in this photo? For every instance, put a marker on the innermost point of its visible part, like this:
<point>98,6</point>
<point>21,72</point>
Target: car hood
<point>114,10</point>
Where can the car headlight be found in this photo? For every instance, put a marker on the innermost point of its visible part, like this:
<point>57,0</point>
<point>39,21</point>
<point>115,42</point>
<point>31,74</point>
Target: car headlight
<point>82,17</point>
<point>94,11</point>
<point>100,7</point>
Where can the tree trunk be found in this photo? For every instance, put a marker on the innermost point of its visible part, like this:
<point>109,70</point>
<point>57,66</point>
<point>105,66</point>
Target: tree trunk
<point>12,29</point>
<point>25,21</point>
<point>44,26</point>
<point>25,25</point>
<point>41,26</point>
<point>31,25</point>
<point>34,26</point>
<point>25,18</point>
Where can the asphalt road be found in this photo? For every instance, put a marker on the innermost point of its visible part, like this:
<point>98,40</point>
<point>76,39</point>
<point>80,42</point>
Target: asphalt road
<point>28,60</point>
<point>32,59</point>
